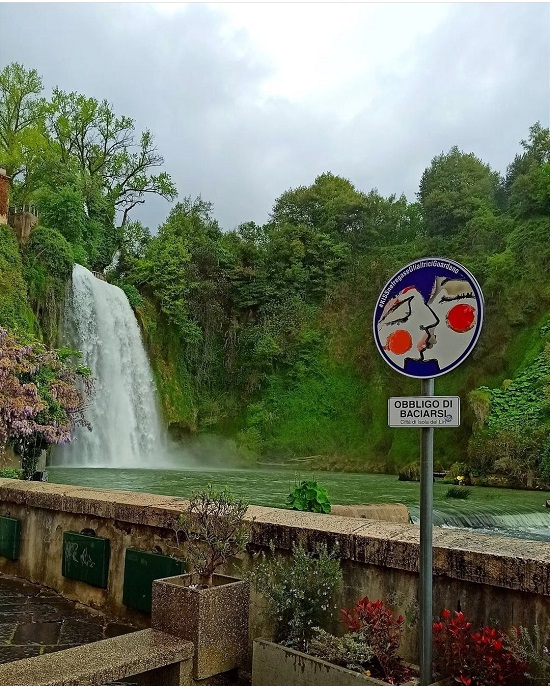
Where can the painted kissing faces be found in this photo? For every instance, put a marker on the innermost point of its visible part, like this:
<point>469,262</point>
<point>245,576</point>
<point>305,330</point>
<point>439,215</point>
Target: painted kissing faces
<point>454,304</point>
<point>441,329</point>
<point>405,327</point>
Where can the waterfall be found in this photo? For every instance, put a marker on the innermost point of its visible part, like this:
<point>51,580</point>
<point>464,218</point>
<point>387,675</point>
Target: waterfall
<point>531,525</point>
<point>126,426</point>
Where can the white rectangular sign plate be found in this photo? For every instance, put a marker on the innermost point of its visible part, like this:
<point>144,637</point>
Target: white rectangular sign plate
<point>439,412</point>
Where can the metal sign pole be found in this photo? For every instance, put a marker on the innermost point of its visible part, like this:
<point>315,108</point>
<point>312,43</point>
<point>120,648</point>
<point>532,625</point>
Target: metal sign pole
<point>422,299</point>
<point>426,536</point>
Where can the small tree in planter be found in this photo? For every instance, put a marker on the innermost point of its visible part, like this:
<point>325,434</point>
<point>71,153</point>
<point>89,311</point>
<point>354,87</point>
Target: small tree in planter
<point>203,607</point>
<point>214,530</point>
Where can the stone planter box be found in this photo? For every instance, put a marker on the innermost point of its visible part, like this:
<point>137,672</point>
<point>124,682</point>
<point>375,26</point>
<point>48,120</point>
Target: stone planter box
<point>214,619</point>
<point>274,664</point>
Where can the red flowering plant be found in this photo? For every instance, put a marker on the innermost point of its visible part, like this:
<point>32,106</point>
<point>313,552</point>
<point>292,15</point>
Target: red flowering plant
<point>474,658</point>
<point>382,632</point>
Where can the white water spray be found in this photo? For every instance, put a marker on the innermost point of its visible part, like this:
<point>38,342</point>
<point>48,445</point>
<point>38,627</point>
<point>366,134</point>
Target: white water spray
<point>126,426</point>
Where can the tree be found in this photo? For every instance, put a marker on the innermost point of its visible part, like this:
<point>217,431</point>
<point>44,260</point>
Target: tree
<point>81,163</point>
<point>113,164</point>
<point>183,267</point>
<point>21,112</point>
<point>528,177</point>
<point>453,189</point>
<point>389,221</point>
<point>134,241</point>
<point>40,402</point>
<point>331,205</point>
<point>247,267</point>
<point>303,259</point>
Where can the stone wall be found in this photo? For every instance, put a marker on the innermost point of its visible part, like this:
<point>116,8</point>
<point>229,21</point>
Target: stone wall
<point>23,223</point>
<point>494,579</point>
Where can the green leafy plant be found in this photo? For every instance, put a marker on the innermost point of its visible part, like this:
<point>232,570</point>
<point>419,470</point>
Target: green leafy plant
<point>10,473</point>
<point>214,529</point>
<point>349,650</point>
<point>459,492</point>
<point>134,296</point>
<point>299,592</point>
<point>308,496</point>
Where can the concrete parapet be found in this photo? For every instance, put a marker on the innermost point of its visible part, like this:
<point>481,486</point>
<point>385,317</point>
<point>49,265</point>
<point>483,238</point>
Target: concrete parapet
<point>380,512</point>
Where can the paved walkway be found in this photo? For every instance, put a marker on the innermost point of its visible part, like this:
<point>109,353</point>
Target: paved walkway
<point>35,620</point>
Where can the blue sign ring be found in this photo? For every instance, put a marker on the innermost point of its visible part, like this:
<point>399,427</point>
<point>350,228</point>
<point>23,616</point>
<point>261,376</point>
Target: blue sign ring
<point>428,317</point>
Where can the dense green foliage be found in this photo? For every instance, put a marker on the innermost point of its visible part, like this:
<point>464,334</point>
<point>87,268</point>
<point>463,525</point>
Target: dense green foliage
<point>10,473</point>
<point>15,312</point>
<point>47,267</point>
<point>262,334</point>
<point>83,166</point>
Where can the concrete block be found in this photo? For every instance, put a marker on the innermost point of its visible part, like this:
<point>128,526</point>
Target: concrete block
<point>214,619</point>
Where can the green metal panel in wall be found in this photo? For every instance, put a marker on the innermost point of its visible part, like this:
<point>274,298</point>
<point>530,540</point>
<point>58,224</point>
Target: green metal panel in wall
<point>86,558</point>
<point>10,537</point>
<point>140,570</point>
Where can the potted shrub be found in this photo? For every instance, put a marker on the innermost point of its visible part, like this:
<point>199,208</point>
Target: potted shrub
<point>211,609</point>
<point>299,596</point>
<point>298,591</point>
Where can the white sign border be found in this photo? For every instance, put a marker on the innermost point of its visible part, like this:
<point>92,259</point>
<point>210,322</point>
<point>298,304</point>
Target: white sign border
<point>423,398</point>
<point>474,341</point>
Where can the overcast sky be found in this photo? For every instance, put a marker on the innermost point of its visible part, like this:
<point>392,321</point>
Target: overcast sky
<point>247,100</point>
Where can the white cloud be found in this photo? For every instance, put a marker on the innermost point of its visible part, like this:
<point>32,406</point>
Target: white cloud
<point>246,100</point>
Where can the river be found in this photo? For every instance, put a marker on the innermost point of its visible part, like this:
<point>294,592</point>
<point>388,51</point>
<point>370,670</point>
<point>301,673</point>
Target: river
<point>505,511</point>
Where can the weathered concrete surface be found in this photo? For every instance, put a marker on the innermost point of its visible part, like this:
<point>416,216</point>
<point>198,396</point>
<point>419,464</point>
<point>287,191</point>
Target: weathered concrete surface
<point>214,619</point>
<point>274,664</point>
<point>494,579</point>
<point>95,664</point>
<point>37,621</point>
<point>380,512</point>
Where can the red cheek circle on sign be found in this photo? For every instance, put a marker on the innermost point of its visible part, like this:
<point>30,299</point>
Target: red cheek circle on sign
<point>399,342</point>
<point>461,318</point>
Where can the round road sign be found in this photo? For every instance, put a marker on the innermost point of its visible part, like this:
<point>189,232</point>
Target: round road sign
<point>428,317</point>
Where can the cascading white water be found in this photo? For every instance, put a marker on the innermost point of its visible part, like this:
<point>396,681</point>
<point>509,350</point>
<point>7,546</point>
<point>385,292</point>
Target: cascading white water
<point>126,427</point>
